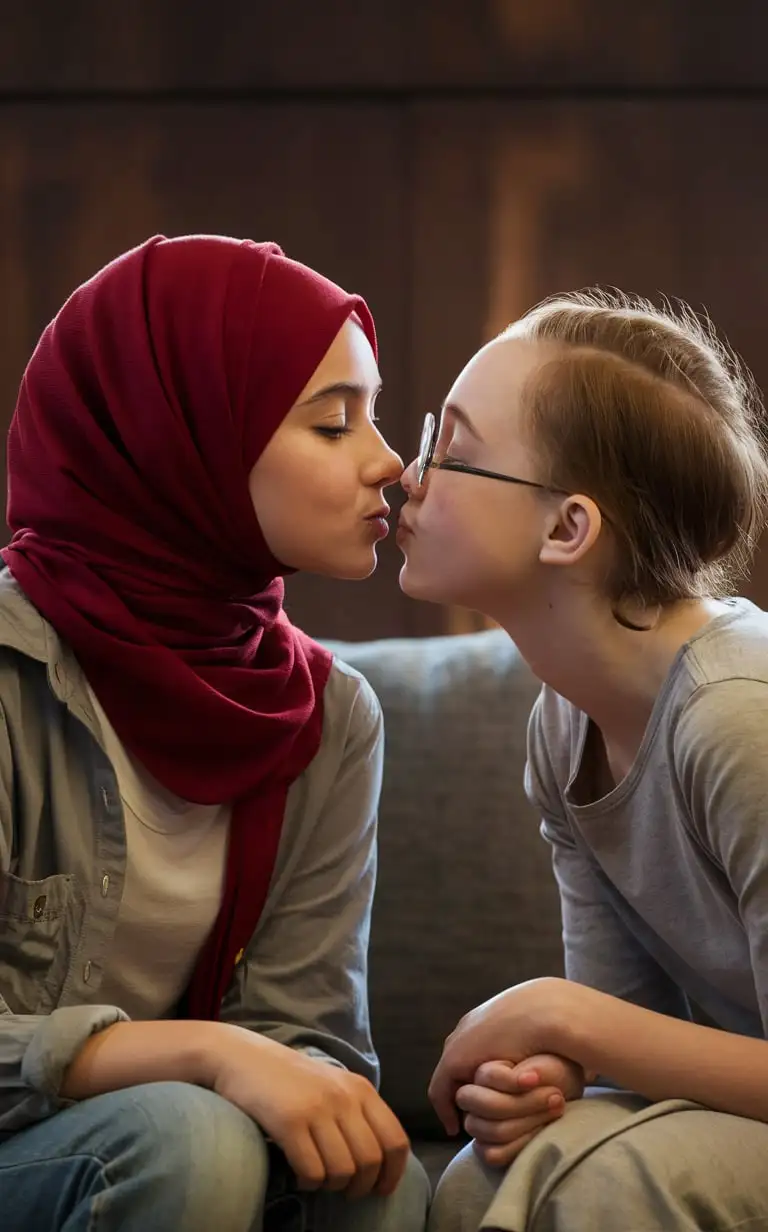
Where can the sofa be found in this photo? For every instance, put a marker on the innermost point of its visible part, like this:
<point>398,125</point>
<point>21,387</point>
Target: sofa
<point>466,902</point>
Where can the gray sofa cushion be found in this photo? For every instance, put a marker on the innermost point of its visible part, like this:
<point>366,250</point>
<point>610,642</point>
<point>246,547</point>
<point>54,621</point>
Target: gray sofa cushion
<point>465,900</point>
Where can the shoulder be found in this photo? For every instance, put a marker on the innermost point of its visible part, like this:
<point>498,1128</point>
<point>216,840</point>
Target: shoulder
<point>31,652</point>
<point>722,721</point>
<point>721,701</point>
<point>351,709</point>
<point>719,732</point>
<point>22,628</point>
<point>733,648</point>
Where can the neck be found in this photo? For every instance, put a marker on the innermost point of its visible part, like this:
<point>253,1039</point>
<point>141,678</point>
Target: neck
<point>573,643</point>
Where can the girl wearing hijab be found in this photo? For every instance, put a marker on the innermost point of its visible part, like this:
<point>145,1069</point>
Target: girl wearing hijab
<point>188,784</point>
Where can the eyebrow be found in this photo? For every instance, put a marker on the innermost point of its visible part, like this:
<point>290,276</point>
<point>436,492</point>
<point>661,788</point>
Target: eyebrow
<point>459,413</point>
<point>347,389</point>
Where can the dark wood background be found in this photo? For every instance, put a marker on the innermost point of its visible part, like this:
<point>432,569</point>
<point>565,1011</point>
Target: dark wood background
<point>452,161</point>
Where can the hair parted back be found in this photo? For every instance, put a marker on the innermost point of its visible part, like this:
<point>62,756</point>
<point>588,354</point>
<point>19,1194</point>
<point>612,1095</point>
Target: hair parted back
<point>650,414</point>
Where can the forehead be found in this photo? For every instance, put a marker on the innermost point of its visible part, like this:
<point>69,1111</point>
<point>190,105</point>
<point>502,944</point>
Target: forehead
<point>349,357</point>
<point>490,386</point>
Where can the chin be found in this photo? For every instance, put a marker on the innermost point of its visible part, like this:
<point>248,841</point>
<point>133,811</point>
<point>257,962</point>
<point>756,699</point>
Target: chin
<point>349,570</point>
<point>417,587</point>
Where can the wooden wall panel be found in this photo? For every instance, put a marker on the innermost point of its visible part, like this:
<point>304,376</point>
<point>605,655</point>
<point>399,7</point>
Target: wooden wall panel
<point>574,44</point>
<point>401,45</point>
<point>454,161</point>
<point>80,183</point>
<point>652,197</point>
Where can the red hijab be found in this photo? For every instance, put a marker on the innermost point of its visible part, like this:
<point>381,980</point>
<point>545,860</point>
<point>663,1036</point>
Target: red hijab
<point>141,413</point>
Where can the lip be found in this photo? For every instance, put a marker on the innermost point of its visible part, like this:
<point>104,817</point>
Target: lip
<point>404,527</point>
<point>382,512</point>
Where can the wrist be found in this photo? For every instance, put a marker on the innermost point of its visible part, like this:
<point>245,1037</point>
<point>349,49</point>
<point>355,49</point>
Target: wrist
<point>211,1045</point>
<point>205,1045</point>
<point>566,1026</point>
<point>132,1053</point>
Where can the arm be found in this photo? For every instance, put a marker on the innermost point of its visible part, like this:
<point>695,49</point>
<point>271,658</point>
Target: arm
<point>304,979</point>
<point>638,1049</point>
<point>720,764</point>
<point>600,949</point>
<point>303,986</point>
<point>46,1061</point>
<point>661,1057</point>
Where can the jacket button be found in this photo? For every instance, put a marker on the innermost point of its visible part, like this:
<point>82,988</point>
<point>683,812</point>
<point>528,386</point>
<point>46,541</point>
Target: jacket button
<point>39,906</point>
<point>86,972</point>
<point>105,885</point>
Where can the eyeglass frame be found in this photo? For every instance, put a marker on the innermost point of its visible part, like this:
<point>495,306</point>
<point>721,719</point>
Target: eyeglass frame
<point>426,461</point>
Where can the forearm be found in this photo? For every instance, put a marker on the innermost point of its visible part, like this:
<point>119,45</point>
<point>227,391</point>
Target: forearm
<point>128,1054</point>
<point>665,1058</point>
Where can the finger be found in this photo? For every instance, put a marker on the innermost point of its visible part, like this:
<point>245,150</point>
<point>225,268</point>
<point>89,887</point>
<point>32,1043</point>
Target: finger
<point>493,1106</point>
<point>552,1070</point>
<point>506,1077</point>
<point>393,1141</point>
<point>337,1158</point>
<point>498,1133</point>
<point>527,1079</point>
<point>304,1159</point>
<point>442,1094</point>
<point>486,1102</point>
<point>366,1151</point>
<point>503,1156</point>
<point>492,1069</point>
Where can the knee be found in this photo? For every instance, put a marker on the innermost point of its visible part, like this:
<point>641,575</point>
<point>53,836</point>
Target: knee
<point>626,1177</point>
<point>464,1193</point>
<point>213,1158</point>
<point>410,1201</point>
<point>403,1211</point>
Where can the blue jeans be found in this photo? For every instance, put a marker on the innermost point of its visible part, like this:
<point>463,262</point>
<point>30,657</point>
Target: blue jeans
<point>169,1157</point>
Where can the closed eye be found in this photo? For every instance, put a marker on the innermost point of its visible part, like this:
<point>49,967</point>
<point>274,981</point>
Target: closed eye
<point>333,434</point>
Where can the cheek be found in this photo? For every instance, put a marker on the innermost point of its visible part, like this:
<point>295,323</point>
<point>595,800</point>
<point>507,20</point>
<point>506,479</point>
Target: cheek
<point>469,545</point>
<point>449,519</point>
<point>305,487</point>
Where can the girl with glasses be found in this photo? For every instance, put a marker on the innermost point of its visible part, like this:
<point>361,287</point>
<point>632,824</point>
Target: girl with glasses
<point>596,484</point>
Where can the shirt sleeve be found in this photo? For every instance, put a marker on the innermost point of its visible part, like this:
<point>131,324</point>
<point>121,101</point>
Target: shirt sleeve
<point>35,1050</point>
<point>35,1053</point>
<point>601,950</point>
<point>721,759</point>
<point>304,979</point>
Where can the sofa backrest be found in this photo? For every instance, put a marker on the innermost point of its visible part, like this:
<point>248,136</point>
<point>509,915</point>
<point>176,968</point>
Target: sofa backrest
<point>465,901</point>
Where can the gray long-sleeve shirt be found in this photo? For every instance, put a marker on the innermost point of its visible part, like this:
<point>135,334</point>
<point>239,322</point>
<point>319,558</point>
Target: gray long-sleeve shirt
<point>302,980</point>
<point>664,881</point>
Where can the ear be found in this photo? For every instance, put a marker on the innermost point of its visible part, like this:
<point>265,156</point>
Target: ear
<point>570,531</point>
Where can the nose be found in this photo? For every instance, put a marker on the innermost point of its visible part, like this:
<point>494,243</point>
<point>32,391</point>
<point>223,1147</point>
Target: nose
<point>409,481</point>
<point>388,465</point>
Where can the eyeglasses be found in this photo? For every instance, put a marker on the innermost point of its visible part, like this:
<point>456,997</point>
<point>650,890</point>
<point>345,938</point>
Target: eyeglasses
<point>429,437</point>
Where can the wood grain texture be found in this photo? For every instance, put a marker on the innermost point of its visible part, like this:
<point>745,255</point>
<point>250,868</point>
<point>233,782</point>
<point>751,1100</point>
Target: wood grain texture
<point>401,45</point>
<point>453,161</point>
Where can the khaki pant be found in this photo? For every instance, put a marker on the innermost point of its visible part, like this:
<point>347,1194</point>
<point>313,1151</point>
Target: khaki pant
<point>614,1163</point>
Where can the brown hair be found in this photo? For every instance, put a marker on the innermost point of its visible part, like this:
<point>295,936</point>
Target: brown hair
<point>646,411</point>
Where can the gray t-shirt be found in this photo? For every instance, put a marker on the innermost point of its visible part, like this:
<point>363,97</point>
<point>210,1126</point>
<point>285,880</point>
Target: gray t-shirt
<point>664,881</point>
